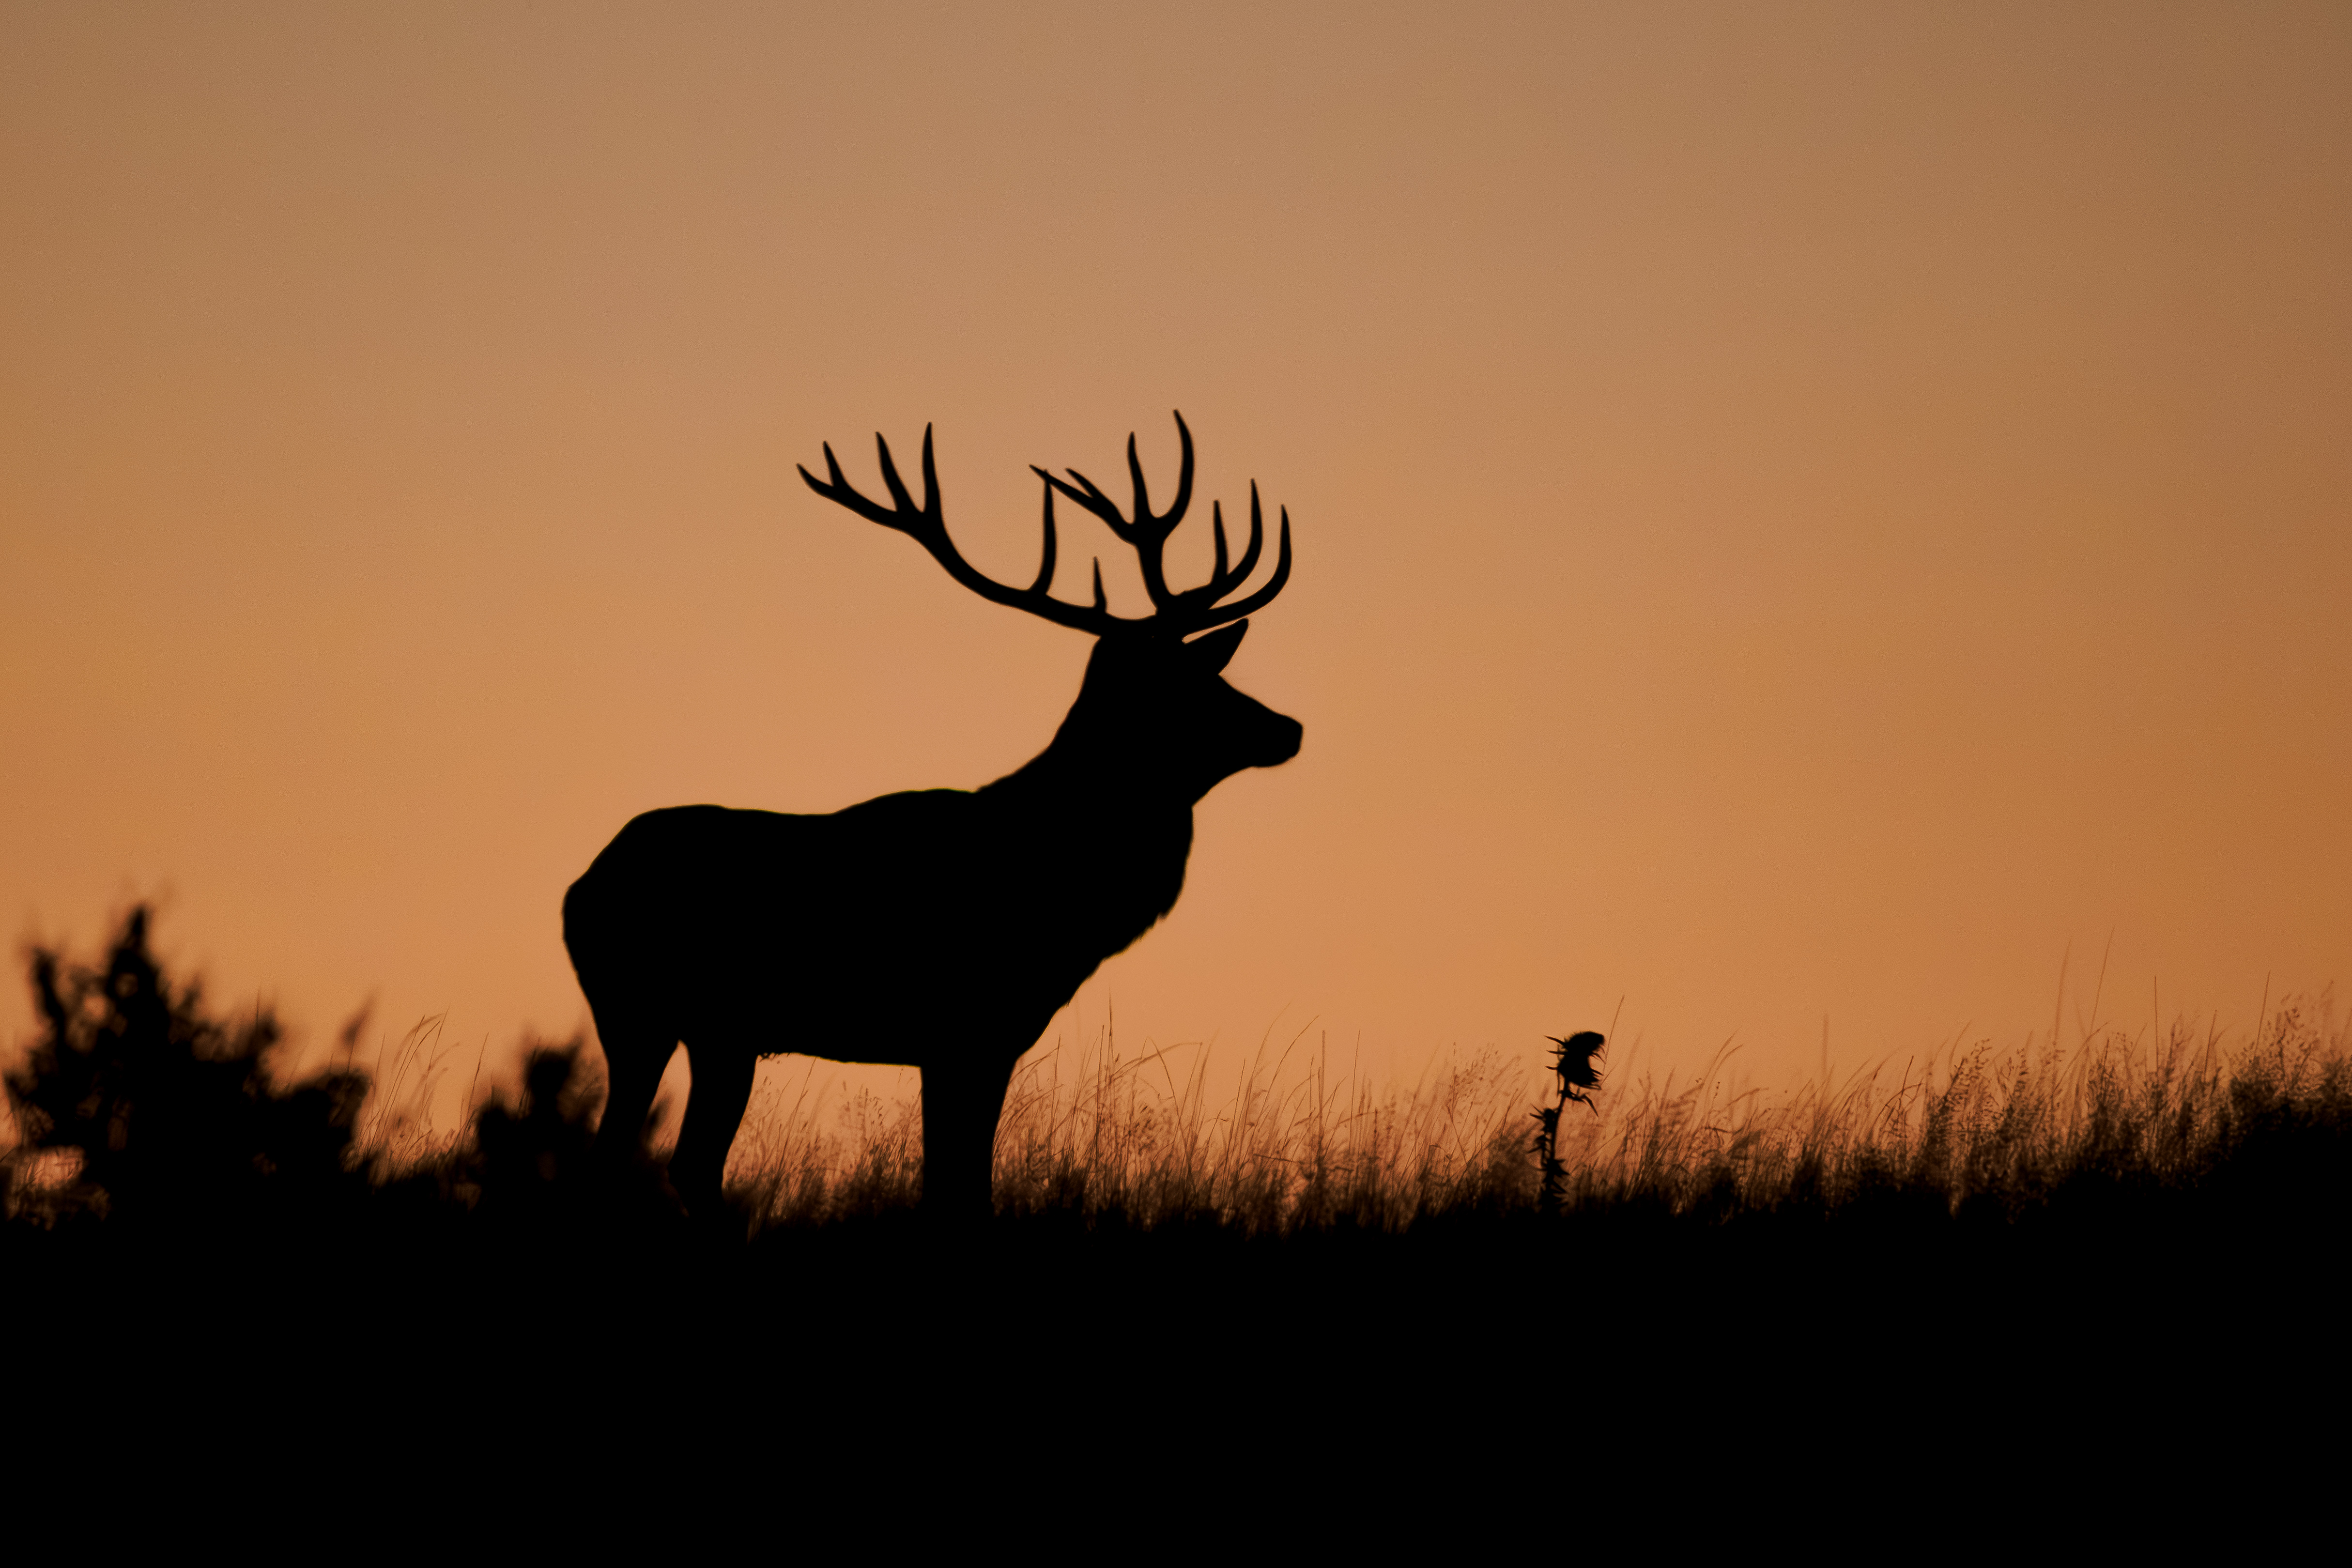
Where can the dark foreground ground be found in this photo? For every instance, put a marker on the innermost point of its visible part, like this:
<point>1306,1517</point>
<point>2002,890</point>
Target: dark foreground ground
<point>2122,1295</point>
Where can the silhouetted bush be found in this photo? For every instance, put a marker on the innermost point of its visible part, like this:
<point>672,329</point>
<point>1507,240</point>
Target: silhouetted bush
<point>528,1165</point>
<point>136,1106</point>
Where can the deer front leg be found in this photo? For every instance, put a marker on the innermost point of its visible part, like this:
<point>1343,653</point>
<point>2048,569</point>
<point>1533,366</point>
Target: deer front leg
<point>961,1102</point>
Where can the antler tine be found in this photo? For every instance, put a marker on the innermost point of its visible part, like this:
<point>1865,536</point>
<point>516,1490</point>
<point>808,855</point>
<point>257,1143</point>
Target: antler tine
<point>1224,614</point>
<point>843,493</point>
<point>1183,471</point>
<point>1045,582</point>
<point>1224,580</point>
<point>1088,495</point>
<point>1143,518</point>
<point>1165,523</point>
<point>1257,547</point>
<point>897,486</point>
<point>931,479</point>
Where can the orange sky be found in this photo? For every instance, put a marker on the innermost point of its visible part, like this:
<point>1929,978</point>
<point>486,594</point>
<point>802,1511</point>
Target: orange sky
<point>1801,511</point>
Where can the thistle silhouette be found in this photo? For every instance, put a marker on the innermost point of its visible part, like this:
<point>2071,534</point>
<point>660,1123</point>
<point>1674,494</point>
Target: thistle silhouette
<point>1576,1061</point>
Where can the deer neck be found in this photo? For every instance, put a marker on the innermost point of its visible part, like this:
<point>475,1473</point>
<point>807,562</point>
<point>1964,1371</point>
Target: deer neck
<point>1104,801</point>
<point>1118,796</point>
<point>1127,840</point>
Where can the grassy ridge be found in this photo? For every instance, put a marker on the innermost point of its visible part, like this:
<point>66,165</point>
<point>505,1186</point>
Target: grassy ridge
<point>135,1102</point>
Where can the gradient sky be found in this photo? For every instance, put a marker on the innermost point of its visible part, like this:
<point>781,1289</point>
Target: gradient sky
<point>1802,512</point>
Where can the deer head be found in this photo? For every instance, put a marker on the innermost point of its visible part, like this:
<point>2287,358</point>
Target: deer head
<point>1153,702</point>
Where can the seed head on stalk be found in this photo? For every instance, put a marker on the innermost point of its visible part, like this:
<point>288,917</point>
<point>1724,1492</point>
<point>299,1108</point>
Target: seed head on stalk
<point>1577,1063</point>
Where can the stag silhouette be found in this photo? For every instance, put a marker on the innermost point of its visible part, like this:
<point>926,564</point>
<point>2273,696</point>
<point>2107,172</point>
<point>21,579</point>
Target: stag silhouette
<point>952,918</point>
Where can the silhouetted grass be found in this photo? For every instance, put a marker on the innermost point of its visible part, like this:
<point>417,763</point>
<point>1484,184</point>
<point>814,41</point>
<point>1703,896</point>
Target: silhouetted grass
<point>1143,1142</point>
<point>1982,1133</point>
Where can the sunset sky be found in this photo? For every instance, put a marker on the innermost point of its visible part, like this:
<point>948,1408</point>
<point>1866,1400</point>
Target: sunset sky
<point>1803,512</point>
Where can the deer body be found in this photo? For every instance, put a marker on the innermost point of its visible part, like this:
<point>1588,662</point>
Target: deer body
<point>941,928</point>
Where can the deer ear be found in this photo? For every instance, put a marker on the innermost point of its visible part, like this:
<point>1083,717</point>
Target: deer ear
<point>1216,649</point>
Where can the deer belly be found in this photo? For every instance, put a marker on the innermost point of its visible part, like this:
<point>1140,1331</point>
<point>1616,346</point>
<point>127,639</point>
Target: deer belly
<point>877,999</point>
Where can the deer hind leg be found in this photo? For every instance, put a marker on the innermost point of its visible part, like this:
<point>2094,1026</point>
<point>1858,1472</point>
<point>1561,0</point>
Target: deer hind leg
<point>962,1102</point>
<point>714,1110</point>
<point>636,1052</point>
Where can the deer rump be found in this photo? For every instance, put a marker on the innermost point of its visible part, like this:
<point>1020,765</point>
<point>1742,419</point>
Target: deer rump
<point>915,928</point>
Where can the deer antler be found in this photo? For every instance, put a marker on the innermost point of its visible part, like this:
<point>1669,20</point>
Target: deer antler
<point>1174,613</point>
<point>929,530</point>
<point>1180,613</point>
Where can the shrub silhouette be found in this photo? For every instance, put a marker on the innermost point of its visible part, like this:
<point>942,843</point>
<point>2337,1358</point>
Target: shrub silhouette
<point>137,1106</point>
<point>528,1164</point>
<point>166,1115</point>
